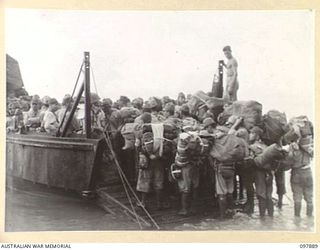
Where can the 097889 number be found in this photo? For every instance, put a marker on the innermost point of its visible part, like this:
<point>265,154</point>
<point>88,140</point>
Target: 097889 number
<point>308,245</point>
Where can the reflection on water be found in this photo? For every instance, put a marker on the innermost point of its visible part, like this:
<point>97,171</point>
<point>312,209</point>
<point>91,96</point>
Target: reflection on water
<point>32,211</point>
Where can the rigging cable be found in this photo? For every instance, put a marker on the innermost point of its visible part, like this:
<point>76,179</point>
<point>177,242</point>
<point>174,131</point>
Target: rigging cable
<point>123,177</point>
<point>127,182</point>
<point>74,89</point>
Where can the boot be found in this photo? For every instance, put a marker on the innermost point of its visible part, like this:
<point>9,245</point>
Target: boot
<point>309,209</point>
<point>270,207</point>
<point>249,206</point>
<point>280,198</point>
<point>185,201</point>
<point>262,207</point>
<point>159,199</point>
<point>222,206</point>
<point>230,203</point>
<point>297,209</point>
<point>143,200</point>
<point>195,195</point>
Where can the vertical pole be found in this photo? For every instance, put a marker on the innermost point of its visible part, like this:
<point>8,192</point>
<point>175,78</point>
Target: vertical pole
<point>87,94</point>
<point>220,69</point>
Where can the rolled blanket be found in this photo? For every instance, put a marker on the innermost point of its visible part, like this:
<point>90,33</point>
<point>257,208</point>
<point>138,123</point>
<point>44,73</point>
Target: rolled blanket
<point>157,130</point>
<point>270,154</point>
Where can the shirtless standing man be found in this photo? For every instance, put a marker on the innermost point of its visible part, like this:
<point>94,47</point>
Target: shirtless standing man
<point>232,85</point>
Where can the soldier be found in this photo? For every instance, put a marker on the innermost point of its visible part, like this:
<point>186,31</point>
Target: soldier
<point>151,172</point>
<point>97,116</point>
<point>263,175</point>
<point>232,84</point>
<point>168,112</point>
<point>32,117</point>
<point>301,179</point>
<point>50,121</point>
<point>189,182</point>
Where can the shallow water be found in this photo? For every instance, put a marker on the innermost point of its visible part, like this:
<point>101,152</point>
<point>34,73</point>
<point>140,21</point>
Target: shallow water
<point>33,209</point>
<point>27,211</point>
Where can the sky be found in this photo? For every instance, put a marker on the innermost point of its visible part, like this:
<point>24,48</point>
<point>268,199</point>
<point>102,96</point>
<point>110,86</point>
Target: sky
<point>158,53</point>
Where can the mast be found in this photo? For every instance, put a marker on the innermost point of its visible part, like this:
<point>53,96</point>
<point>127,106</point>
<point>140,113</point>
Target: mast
<point>87,94</point>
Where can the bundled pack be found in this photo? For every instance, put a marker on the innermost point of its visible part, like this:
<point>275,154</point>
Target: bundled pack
<point>229,148</point>
<point>268,156</point>
<point>201,98</point>
<point>300,131</point>
<point>128,133</point>
<point>159,139</point>
<point>302,125</point>
<point>251,111</point>
<point>190,146</point>
<point>129,113</point>
<point>306,144</point>
<point>169,130</point>
<point>275,126</point>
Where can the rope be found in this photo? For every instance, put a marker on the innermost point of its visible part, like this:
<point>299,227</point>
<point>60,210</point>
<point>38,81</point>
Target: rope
<point>125,179</point>
<point>94,80</point>
<point>74,89</point>
<point>122,175</point>
<point>107,139</point>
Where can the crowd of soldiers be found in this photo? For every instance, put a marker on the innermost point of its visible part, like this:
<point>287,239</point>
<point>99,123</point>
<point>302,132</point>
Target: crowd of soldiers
<point>152,171</point>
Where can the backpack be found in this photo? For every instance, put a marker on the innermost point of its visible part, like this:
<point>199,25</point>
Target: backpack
<point>251,111</point>
<point>229,148</point>
<point>275,126</point>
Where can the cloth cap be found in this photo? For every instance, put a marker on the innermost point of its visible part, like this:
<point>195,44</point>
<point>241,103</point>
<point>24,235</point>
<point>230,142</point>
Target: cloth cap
<point>185,108</point>
<point>153,102</point>
<point>66,100</point>
<point>107,102</point>
<point>45,99</point>
<point>53,101</point>
<point>169,107</point>
<point>35,100</point>
<point>146,105</point>
<point>18,112</point>
<point>124,99</point>
<point>256,130</point>
<point>227,48</point>
<point>181,94</point>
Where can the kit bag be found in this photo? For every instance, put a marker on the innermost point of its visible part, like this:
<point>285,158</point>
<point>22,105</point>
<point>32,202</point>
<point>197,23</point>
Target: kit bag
<point>128,133</point>
<point>275,126</point>
<point>251,111</point>
<point>271,153</point>
<point>229,148</point>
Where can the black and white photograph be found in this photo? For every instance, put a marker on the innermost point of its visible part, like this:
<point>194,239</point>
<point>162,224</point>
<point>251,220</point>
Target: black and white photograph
<point>160,120</point>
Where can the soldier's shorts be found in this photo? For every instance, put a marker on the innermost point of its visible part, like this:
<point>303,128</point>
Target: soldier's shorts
<point>224,179</point>
<point>302,185</point>
<point>280,182</point>
<point>189,178</point>
<point>151,177</point>
<point>263,183</point>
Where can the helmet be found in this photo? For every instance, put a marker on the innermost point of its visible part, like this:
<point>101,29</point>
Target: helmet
<point>94,97</point>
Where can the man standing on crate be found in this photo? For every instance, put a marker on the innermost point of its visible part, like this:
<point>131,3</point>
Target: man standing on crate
<point>232,84</point>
